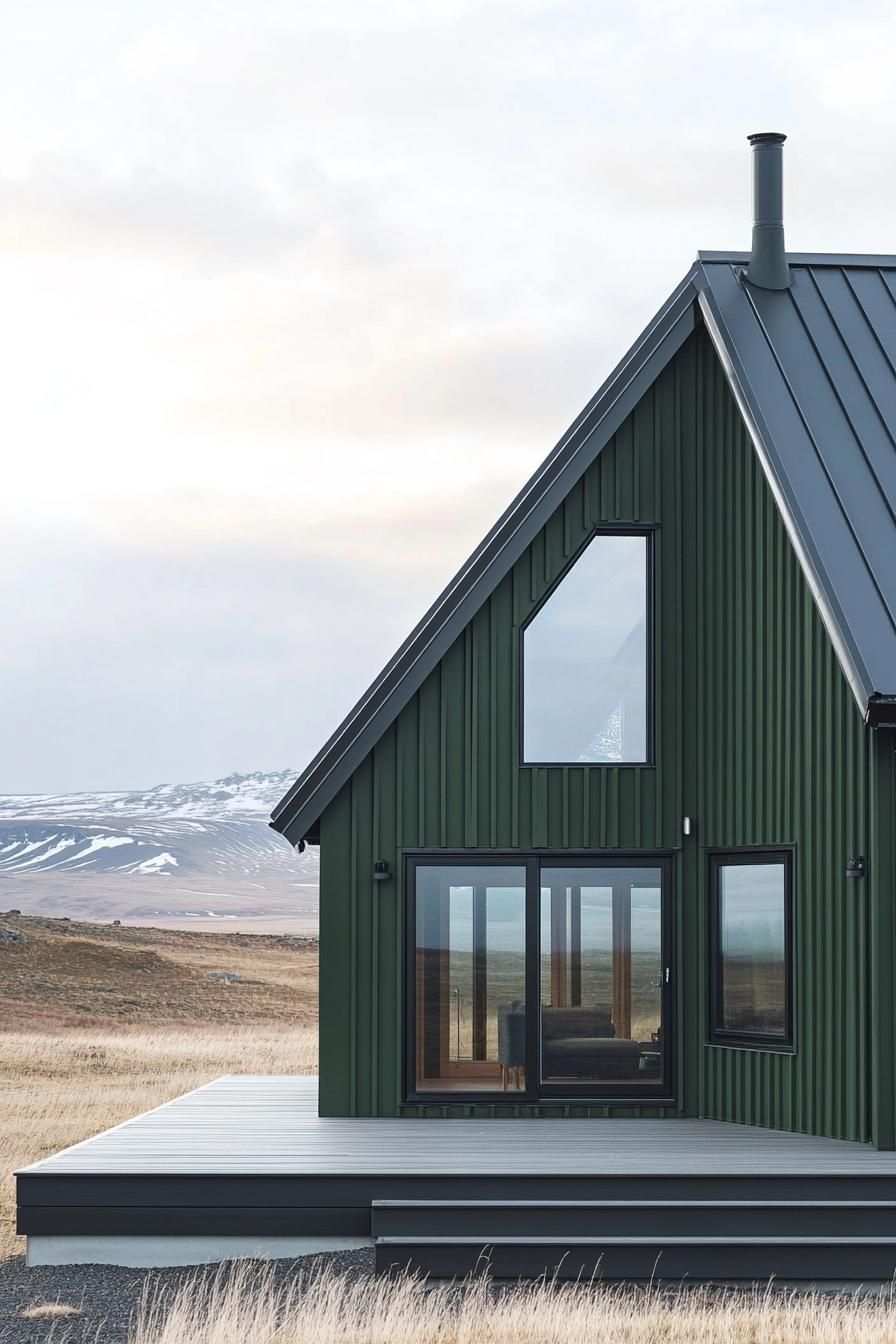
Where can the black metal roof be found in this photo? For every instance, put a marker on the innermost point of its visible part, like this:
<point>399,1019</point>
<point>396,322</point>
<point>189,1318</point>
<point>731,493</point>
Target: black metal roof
<point>813,369</point>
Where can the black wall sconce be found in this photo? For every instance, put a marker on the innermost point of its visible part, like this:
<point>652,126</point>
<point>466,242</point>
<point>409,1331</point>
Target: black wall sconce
<point>381,871</point>
<point>856,867</point>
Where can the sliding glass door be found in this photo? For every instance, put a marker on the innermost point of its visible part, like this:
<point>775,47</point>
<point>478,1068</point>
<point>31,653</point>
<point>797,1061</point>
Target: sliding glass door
<point>603,975</point>
<point>530,976</point>
<point>470,977</point>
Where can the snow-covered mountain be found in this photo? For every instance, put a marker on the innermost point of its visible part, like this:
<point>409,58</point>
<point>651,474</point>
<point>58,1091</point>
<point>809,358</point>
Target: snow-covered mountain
<point>189,836</point>
<point>244,796</point>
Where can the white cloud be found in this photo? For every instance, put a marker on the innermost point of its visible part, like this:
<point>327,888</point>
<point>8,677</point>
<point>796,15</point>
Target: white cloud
<point>275,275</point>
<point>162,646</point>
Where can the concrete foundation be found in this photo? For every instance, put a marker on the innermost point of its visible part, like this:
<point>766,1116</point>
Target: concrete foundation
<point>156,1252</point>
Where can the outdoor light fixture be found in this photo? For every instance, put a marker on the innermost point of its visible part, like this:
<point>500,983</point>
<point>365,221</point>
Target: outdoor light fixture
<point>687,826</point>
<point>856,867</point>
<point>381,871</point>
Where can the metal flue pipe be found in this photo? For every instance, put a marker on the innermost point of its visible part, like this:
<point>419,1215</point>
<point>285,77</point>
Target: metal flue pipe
<point>768,261</point>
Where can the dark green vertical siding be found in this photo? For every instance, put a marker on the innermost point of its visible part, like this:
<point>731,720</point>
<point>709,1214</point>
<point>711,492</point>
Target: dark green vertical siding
<point>756,737</point>
<point>778,754</point>
<point>881,859</point>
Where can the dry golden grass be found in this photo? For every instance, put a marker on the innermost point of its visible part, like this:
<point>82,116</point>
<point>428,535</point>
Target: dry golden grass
<point>244,1306</point>
<point>112,1021</point>
<point>69,974</point>
<point>60,1087</point>
<point>49,1311</point>
<point>62,1082</point>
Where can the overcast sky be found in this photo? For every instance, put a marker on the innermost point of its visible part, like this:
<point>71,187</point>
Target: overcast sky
<point>293,298</point>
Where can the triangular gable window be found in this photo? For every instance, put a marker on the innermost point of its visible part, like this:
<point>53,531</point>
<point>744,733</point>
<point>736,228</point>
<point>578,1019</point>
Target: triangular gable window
<point>585,659</point>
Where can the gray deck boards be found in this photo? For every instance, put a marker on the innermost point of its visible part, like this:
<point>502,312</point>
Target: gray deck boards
<point>268,1126</point>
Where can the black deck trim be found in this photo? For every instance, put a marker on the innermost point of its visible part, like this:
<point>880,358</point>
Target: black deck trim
<point>176,1220</point>
<point>755,1260</point>
<point>660,1218</point>
<point>346,1190</point>
<point>341,1205</point>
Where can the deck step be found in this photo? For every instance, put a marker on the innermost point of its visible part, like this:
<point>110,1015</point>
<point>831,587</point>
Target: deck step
<point>656,1219</point>
<point>733,1258</point>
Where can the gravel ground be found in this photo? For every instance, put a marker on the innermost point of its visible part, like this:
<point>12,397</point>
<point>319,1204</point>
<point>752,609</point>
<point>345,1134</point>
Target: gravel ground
<point>107,1295</point>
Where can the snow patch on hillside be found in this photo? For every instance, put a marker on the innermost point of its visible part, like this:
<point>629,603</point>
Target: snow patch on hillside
<point>237,796</point>
<point>209,829</point>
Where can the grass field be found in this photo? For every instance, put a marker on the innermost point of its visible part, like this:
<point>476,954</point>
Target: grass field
<point>249,1309</point>
<point>103,1022</point>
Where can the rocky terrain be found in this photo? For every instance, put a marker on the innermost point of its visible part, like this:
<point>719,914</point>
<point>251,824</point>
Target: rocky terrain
<point>63,972</point>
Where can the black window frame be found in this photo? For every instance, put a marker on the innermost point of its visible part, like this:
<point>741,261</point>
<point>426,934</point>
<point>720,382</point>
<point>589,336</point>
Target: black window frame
<point>535,1092</point>
<point>741,858</point>
<point>616,528</point>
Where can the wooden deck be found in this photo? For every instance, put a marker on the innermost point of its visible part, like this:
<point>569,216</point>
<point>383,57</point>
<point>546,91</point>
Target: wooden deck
<point>246,1166</point>
<point>266,1126</point>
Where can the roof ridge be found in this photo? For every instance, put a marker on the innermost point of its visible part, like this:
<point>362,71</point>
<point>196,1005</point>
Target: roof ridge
<point>873,260</point>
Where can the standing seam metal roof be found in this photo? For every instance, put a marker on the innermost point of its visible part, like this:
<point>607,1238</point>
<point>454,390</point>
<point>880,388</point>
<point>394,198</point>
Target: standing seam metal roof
<point>813,369</point>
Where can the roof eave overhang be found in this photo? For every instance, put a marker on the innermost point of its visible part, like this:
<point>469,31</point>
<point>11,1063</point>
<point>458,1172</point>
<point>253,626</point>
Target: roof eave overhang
<point>881,712</point>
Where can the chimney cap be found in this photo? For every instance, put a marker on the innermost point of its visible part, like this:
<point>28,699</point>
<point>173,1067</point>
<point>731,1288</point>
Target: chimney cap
<point>767,138</point>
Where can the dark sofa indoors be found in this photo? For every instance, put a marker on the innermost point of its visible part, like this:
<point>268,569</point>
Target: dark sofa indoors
<point>575,1043</point>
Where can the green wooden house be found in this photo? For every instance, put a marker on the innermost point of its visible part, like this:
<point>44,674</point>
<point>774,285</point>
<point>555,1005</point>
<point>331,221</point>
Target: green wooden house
<point>607,855</point>
<point>613,832</point>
